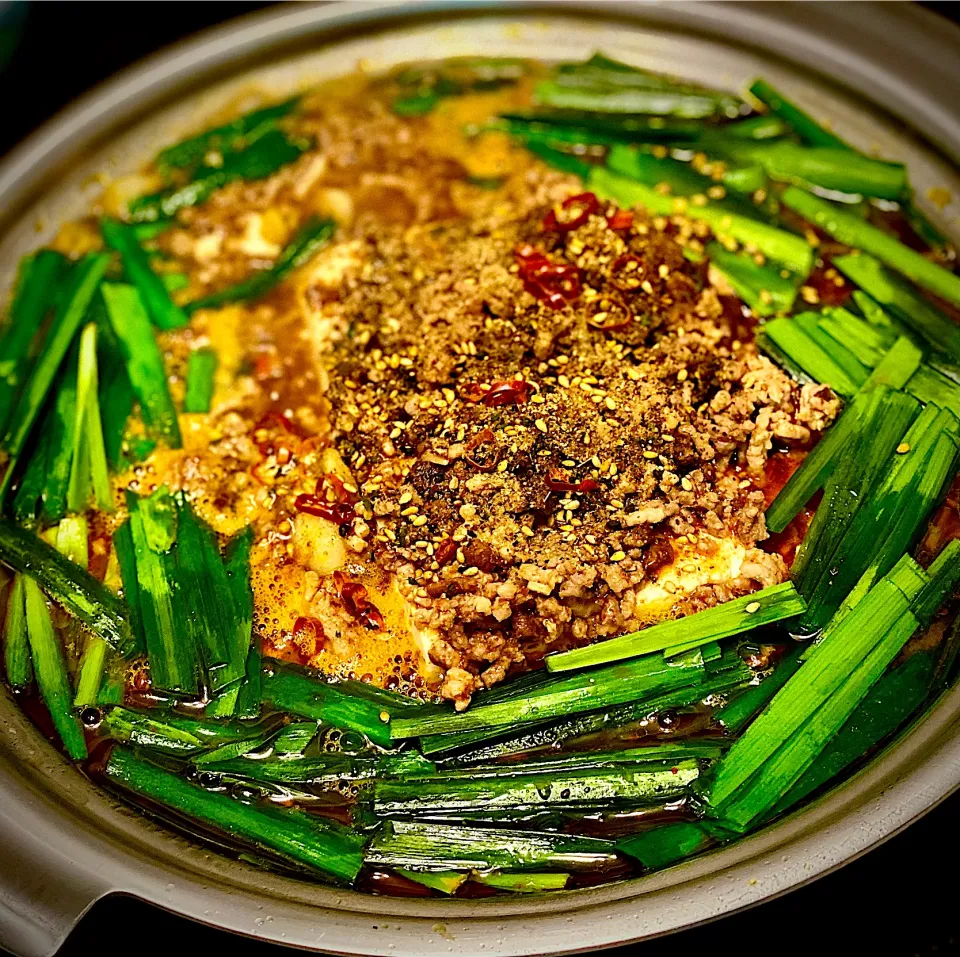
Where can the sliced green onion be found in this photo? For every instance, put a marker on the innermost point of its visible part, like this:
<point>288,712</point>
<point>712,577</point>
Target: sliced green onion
<point>447,882</point>
<point>144,361</point>
<point>855,232</point>
<point>677,635</point>
<point>311,238</point>
<point>808,129</point>
<point>77,591</point>
<point>293,835</point>
<point>201,368</point>
<point>522,883</point>
<point>428,846</point>
<point>156,299</point>
<point>909,307</point>
<point>762,288</point>
<point>851,332</point>
<point>16,649</point>
<point>50,668</point>
<point>791,251</point>
<point>662,846</point>
<point>944,574</point>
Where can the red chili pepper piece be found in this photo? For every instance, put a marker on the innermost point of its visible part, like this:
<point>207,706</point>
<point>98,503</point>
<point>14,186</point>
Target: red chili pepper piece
<point>608,314</point>
<point>355,600</point>
<point>627,273</point>
<point>308,631</point>
<point>512,392</point>
<point>482,451</point>
<point>337,512</point>
<point>574,212</point>
<point>557,481</point>
<point>618,219</point>
<point>551,298</point>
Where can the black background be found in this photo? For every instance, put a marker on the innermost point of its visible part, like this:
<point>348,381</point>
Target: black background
<point>899,900</point>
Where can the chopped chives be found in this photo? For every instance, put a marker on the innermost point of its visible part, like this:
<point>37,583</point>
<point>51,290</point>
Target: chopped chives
<point>38,282</point>
<point>426,846</point>
<point>662,846</point>
<point>807,128</point>
<point>898,365</point>
<point>521,882</point>
<point>681,634</point>
<point>762,288</point>
<point>921,316</point>
<point>816,361</point>
<point>16,649</point>
<point>201,368</point>
<point>84,280</point>
<point>563,695</point>
<point>851,332</point>
<point>292,834</point>
<point>160,307</point>
<point>789,250</point>
<point>855,232</point>
<point>932,387</point>
<point>50,668</point>
<point>76,590</point>
<point>739,711</point>
<point>144,361</point>
<point>447,882</point>
<point>312,237</point>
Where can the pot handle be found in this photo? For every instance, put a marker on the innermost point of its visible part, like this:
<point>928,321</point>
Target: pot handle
<point>48,877</point>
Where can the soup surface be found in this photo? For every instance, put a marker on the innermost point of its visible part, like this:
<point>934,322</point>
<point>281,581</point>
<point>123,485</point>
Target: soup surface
<point>487,477</point>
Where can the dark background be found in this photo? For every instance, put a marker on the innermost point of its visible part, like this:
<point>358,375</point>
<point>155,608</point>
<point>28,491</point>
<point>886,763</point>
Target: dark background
<point>900,900</point>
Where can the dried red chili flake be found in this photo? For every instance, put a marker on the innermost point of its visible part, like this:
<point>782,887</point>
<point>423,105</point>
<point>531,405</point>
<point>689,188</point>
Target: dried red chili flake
<point>355,600</point>
<point>608,314</point>
<point>557,481</point>
<point>551,298</point>
<point>482,451</point>
<point>446,551</point>
<point>618,219</point>
<point>552,283</point>
<point>574,211</point>
<point>308,633</point>
<point>627,273</point>
<point>330,500</point>
<point>269,431</point>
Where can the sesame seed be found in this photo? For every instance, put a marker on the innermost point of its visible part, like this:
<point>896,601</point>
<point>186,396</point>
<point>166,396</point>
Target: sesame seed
<point>420,520</point>
<point>682,375</point>
<point>385,717</point>
<point>903,447</point>
<point>541,425</point>
<point>406,497</point>
<point>649,454</point>
<point>618,556</point>
<point>754,606</point>
<point>472,570</point>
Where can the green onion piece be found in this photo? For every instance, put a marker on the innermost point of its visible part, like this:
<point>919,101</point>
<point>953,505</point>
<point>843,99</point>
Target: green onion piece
<point>909,307</point>
<point>159,305</point>
<point>328,770</point>
<point>472,747</point>
<point>855,370</point>
<point>763,289</point>
<point>77,591</point>
<point>897,367</point>
<point>790,250</point>
<point>817,362</point>
<point>885,417</point>
<point>888,520</point>
<point>169,733</point>
<point>783,741</point>
<point>38,280</point>
<point>682,179</point>
<point>16,649</point>
<point>614,684</point>
<point>230,137</point>
<point>889,703</point>
<point>474,791</point>
<point>447,882</point>
<point>293,835</point>
<point>676,635</point>
<point>51,670</point>
<point>634,100</point>
<point>855,232</point>
<point>565,162</point>
<point>115,395</point>
<point>173,281</point>
<point>59,429</point>
<point>662,846</point>
<point>127,562</point>
<point>30,491</point>
<point>933,388</point>
<point>246,647</point>
<point>297,693</point>
<point>259,160</point>
<point>89,466</point>
<point>426,846</point>
<point>808,129</point>
<point>313,236</point>
<point>144,361</point>
<point>829,168</point>
<point>174,664</point>
<point>522,883</point>
<point>853,333</point>
<point>295,737</point>
<point>944,575</point>
<point>577,128</point>
<point>90,672</point>
<point>84,280</point>
<point>201,368</point>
